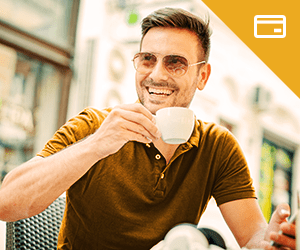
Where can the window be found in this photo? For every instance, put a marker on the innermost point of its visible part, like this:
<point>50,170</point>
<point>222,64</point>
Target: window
<point>275,176</point>
<point>29,105</point>
<point>48,20</point>
<point>37,40</point>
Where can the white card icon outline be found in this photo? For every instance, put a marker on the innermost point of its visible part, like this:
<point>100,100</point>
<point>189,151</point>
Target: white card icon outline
<point>281,21</point>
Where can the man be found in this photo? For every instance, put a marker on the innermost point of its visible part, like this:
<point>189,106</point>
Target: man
<point>111,162</point>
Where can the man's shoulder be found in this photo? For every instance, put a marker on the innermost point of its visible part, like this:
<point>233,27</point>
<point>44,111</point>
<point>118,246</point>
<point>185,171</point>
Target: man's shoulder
<point>86,121</point>
<point>90,116</point>
<point>95,112</point>
<point>212,132</point>
<point>211,128</point>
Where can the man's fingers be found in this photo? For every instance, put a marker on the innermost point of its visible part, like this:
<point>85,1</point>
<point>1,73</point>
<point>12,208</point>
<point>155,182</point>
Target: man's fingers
<point>139,138</point>
<point>141,120</point>
<point>286,238</point>
<point>138,129</point>
<point>136,107</point>
<point>279,216</point>
<point>281,213</point>
<point>283,240</point>
<point>288,228</point>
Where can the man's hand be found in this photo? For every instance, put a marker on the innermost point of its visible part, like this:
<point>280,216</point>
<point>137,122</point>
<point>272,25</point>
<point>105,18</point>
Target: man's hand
<point>279,228</point>
<point>130,122</point>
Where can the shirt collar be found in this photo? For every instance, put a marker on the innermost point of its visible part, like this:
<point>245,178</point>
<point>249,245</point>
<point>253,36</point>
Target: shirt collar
<point>195,137</point>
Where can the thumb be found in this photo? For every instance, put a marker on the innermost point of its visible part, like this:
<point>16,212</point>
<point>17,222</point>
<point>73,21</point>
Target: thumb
<point>280,215</point>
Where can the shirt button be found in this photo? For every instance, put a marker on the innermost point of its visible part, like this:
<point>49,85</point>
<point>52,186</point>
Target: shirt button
<point>157,157</point>
<point>148,145</point>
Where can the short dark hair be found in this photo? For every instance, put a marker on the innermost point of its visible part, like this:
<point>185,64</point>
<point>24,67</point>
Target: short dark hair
<point>179,18</point>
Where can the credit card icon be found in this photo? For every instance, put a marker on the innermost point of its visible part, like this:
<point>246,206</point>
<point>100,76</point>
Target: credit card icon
<point>269,26</point>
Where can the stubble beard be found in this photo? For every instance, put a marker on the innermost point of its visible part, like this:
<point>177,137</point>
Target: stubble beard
<point>150,83</point>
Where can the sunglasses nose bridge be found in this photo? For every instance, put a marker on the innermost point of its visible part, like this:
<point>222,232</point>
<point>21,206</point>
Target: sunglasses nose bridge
<point>159,71</point>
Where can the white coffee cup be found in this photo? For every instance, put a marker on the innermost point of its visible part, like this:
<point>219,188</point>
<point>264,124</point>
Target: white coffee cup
<point>176,124</point>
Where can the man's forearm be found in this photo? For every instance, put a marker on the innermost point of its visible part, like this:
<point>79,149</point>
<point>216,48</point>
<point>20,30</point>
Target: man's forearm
<point>32,187</point>
<point>258,239</point>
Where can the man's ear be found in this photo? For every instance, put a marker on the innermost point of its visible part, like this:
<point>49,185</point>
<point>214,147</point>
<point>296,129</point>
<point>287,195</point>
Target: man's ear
<point>203,76</point>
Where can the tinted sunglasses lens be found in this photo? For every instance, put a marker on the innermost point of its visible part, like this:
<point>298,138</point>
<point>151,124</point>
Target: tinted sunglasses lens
<point>144,62</point>
<point>176,65</point>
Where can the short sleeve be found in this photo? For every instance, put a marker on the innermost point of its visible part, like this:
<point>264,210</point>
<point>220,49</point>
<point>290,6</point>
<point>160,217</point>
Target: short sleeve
<point>77,128</point>
<point>233,180</point>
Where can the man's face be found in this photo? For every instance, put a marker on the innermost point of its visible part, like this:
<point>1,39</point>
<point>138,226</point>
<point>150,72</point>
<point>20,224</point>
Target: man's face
<point>158,88</point>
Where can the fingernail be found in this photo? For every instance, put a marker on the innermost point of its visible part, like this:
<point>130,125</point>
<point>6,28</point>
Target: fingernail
<point>157,138</point>
<point>284,212</point>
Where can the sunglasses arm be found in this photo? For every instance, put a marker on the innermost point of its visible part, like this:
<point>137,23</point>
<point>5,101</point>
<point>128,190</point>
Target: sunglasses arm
<point>196,63</point>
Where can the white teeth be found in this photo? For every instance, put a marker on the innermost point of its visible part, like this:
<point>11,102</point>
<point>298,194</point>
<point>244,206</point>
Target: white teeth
<point>160,91</point>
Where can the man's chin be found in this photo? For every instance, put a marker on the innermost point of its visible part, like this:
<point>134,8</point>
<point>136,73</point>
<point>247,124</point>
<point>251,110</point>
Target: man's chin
<point>154,104</point>
<point>153,108</point>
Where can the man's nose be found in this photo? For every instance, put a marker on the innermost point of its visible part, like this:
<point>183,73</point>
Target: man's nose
<point>159,72</point>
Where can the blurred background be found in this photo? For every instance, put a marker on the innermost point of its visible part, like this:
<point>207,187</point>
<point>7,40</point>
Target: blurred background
<point>59,56</point>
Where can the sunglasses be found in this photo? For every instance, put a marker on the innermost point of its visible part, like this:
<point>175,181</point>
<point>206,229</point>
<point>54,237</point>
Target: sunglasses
<point>176,65</point>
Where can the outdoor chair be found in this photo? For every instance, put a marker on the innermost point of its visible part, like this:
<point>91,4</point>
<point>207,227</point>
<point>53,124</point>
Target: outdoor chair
<point>38,232</point>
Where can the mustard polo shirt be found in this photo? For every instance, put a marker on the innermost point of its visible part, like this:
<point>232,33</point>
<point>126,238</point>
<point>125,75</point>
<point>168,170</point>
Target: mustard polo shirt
<point>131,199</point>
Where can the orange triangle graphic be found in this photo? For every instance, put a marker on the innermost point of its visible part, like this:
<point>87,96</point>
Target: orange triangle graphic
<point>281,55</point>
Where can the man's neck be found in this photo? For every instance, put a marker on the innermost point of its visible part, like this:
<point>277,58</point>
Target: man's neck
<point>167,150</point>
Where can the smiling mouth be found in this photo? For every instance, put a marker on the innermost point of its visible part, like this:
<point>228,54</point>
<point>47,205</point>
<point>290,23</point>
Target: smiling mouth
<point>159,91</point>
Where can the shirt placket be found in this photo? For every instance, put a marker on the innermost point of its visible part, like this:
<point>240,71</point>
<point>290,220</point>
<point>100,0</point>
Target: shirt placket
<point>161,168</point>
